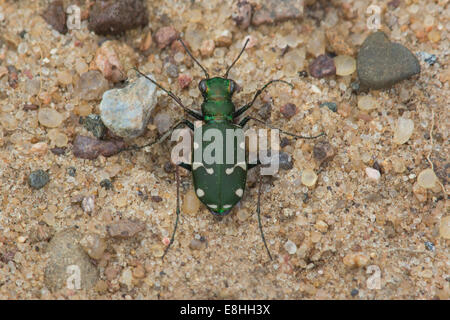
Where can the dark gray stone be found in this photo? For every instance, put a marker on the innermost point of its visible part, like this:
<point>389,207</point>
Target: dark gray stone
<point>382,63</point>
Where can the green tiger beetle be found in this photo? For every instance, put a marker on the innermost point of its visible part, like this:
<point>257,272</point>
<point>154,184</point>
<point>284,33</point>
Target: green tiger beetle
<point>219,186</point>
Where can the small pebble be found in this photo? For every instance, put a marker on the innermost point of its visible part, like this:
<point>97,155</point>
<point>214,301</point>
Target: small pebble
<point>66,258</point>
<point>196,244</point>
<point>114,59</point>
<point>309,177</point>
<point>139,272</point>
<point>356,260</point>
<point>444,227</point>
<point>290,247</point>
<point>93,123</point>
<point>91,86</point>
<point>207,48</point>
<point>38,179</point>
<point>55,16</point>
<point>427,57</point>
<point>322,66</point>
<point>373,174</point>
<point>125,228</point>
<point>330,105</point>
<point>184,80</point>
<point>49,117</point>
<point>72,171</point>
<point>382,63</point>
<point>93,245</point>
<point>243,214</point>
<point>273,11</point>
<point>429,246</point>
<point>88,204</point>
<point>117,16</point>
<point>106,184</point>
<point>191,204</point>
<point>321,226</point>
<point>285,161</point>
<point>403,130</point>
<point>223,38</point>
<point>157,251</point>
<point>91,148</point>
<point>288,110</point>
<point>64,77</point>
<point>427,179</point>
<point>345,65</point>
<point>165,36</point>
<point>354,292</point>
<point>367,103</point>
<point>40,148</point>
<point>242,16</point>
<point>163,122</point>
<point>126,111</point>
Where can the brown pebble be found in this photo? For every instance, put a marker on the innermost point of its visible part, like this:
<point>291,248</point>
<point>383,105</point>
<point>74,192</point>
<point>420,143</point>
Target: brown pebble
<point>90,148</point>
<point>243,14</point>
<point>55,16</point>
<point>30,107</point>
<point>322,66</point>
<point>111,272</point>
<point>117,16</point>
<point>184,80</point>
<point>355,260</point>
<point>139,272</point>
<point>13,77</point>
<point>58,151</point>
<point>165,36</point>
<point>146,42</point>
<point>338,44</point>
<point>207,47</point>
<point>288,110</point>
<point>156,199</point>
<point>125,228</point>
<point>323,151</point>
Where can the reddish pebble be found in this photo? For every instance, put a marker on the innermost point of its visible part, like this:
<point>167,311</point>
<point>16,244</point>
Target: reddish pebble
<point>184,80</point>
<point>323,66</point>
<point>166,241</point>
<point>165,36</point>
<point>288,110</point>
<point>28,107</point>
<point>91,148</point>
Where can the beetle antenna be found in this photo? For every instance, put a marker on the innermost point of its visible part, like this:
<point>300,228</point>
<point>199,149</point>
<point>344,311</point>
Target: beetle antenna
<point>235,60</point>
<point>172,95</point>
<point>190,54</point>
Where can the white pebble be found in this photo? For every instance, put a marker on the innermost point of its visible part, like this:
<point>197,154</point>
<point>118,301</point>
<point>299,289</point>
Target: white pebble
<point>373,174</point>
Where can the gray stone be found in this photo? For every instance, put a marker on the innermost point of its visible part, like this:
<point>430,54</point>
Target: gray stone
<point>38,179</point>
<point>382,63</point>
<point>126,111</point>
<point>68,265</point>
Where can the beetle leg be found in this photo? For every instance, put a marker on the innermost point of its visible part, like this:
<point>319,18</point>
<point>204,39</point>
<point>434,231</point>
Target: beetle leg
<point>163,136</point>
<point>178,213</point>
<point>258,212</point>
<point>241,110</point>
<point>248,118</point>
<point>186,166</point>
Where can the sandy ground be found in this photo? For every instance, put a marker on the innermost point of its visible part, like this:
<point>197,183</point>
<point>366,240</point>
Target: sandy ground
<point>355,238</point>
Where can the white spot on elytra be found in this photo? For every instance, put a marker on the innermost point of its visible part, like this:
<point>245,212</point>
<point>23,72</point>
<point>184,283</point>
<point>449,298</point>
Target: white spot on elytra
<point>243,165</point>
<point>239,192</point>
<point>227,206</point>
<point>196,165</point>
<point>200,192</point>
<point>210,170</point>
<point>212,206</point>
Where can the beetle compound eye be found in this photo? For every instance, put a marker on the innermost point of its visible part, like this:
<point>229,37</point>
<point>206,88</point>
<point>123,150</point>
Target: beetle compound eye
<point>202,86</point>
<point>232,86</point>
